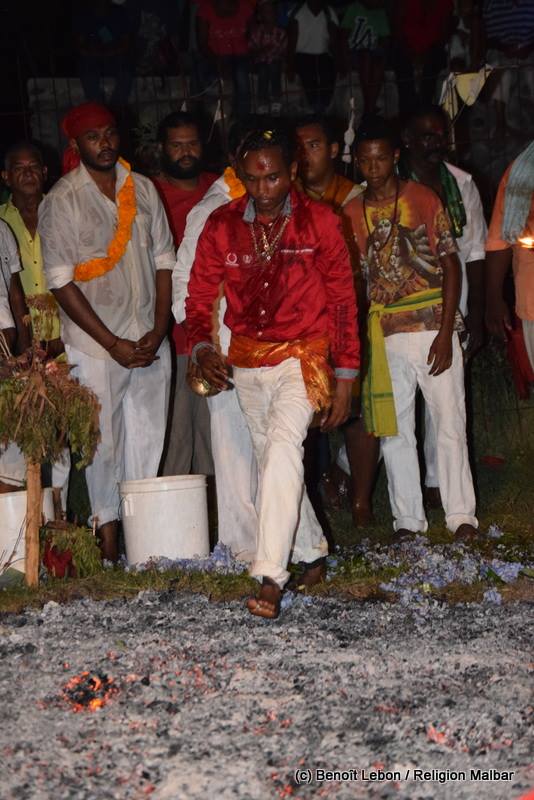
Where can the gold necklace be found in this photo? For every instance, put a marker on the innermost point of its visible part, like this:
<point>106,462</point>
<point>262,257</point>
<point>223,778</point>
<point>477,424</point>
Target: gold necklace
<point>269,243</point>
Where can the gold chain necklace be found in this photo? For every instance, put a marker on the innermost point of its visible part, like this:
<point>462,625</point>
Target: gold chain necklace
<point>269,243</point>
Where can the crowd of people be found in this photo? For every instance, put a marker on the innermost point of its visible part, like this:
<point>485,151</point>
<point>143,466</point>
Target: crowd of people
<point>314,40</point>
<point>302,302</point>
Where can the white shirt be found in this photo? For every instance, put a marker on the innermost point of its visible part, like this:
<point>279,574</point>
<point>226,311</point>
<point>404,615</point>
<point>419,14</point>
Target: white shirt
<point>76,223</point>
<point>471,245</point>
<point>217,195</point>
<point>9,265</point>
<point>313,35</point>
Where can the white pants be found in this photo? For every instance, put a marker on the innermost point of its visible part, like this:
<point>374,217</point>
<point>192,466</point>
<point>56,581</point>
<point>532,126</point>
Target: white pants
<point>444,395</point>
<point>236,475</point>
<point>278,414</point>
<point>133,418</point>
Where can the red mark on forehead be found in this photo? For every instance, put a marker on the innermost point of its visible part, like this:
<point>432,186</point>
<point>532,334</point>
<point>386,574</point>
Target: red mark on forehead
<point>262,164</point>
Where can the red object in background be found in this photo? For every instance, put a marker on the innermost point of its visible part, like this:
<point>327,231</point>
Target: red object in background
<point>59,564</point>
<point>493,461</point>
<point>529,796</point>
<point>522,371</point>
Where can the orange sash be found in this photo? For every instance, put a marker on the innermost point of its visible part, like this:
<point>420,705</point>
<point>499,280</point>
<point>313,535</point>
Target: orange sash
<point>313,354</point>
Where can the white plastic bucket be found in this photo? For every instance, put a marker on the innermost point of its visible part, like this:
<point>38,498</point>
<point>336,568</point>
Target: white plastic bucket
<point>165,516</point>
<point>12,527</point>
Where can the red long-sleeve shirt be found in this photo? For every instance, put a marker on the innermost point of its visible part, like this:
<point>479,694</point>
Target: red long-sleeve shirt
<point>305,292</point>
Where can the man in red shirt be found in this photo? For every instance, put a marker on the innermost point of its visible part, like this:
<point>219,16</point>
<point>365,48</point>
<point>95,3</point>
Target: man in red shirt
<point>182,184</point>
<point>290,307</point>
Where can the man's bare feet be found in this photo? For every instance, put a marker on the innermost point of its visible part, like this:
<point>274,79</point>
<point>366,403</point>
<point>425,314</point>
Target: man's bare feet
<point>312,574</point>
<point>404,533</point>
<point>267,603</point>
<point>108,540</point>
<point>467,533</point>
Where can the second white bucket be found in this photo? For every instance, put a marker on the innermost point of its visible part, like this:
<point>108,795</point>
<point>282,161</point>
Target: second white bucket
<point>12,526</point>
<point>165,516</point>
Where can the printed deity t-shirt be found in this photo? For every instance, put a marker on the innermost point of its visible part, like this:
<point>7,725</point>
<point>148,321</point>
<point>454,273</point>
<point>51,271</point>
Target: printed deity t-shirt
<point>401,256</point>
<point>366,26</point>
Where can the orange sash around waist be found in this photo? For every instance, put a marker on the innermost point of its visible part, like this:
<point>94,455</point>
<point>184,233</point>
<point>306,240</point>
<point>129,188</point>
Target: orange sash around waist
<point>313,353</point>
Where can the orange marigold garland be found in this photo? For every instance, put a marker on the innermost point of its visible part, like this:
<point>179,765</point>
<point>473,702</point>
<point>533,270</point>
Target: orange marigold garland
<point>126,211</point>
<point>234,184</point>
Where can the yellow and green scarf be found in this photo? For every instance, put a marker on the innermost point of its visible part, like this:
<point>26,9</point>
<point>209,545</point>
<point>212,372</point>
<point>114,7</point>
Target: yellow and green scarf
<point>378,402</point>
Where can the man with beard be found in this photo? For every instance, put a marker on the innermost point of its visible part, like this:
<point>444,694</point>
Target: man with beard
<point>423,160</point>
<point>182,184</point>
<point>108,257</point>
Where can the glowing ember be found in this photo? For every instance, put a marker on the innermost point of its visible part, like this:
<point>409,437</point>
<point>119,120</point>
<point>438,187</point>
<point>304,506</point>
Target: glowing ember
<point>88,691</point>
<point>526,241</point>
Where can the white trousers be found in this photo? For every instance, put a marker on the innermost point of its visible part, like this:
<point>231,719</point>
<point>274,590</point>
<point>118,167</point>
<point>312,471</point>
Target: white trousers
<point>444,395</point>
<point>133,418</point>
<point>236,475</point>
<point>278,414</point>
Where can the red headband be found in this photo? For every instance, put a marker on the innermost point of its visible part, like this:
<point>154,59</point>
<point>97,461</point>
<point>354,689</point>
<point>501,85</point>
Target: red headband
<point>79,120</point>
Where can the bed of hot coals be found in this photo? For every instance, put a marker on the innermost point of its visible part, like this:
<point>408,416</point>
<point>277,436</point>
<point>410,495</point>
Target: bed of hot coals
<point>175,697</point>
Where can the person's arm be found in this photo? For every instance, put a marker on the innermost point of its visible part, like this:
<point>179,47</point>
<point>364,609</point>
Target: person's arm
<point>440,353</point>
<point>21,314</point>
<point>149,344</point>
<point>498,320</point>
<point>75,304</point>
<point>498,263</point>
<point>196,219</point>
<point>473,243</point>
<point>206,276</point>
<point>164,255</point>
<point>342,311</point>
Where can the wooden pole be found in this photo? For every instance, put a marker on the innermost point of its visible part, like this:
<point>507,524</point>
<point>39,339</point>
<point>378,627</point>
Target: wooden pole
<point>33,522</point>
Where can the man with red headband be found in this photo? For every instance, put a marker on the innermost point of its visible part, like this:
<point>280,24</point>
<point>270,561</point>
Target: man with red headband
<point>108,256</point>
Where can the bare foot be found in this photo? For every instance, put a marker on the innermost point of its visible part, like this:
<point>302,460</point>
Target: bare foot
<point>314,573</point>
<point>467,533</point>
<point>108,540</point>
<point>267,603</point>
<point>404,533</point>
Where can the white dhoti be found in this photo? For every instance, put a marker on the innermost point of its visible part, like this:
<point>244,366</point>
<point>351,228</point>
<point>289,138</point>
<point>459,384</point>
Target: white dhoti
<point>444,396</point>
<point>278,413</point>
<point>236,475</point>
<point>133,419</point>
